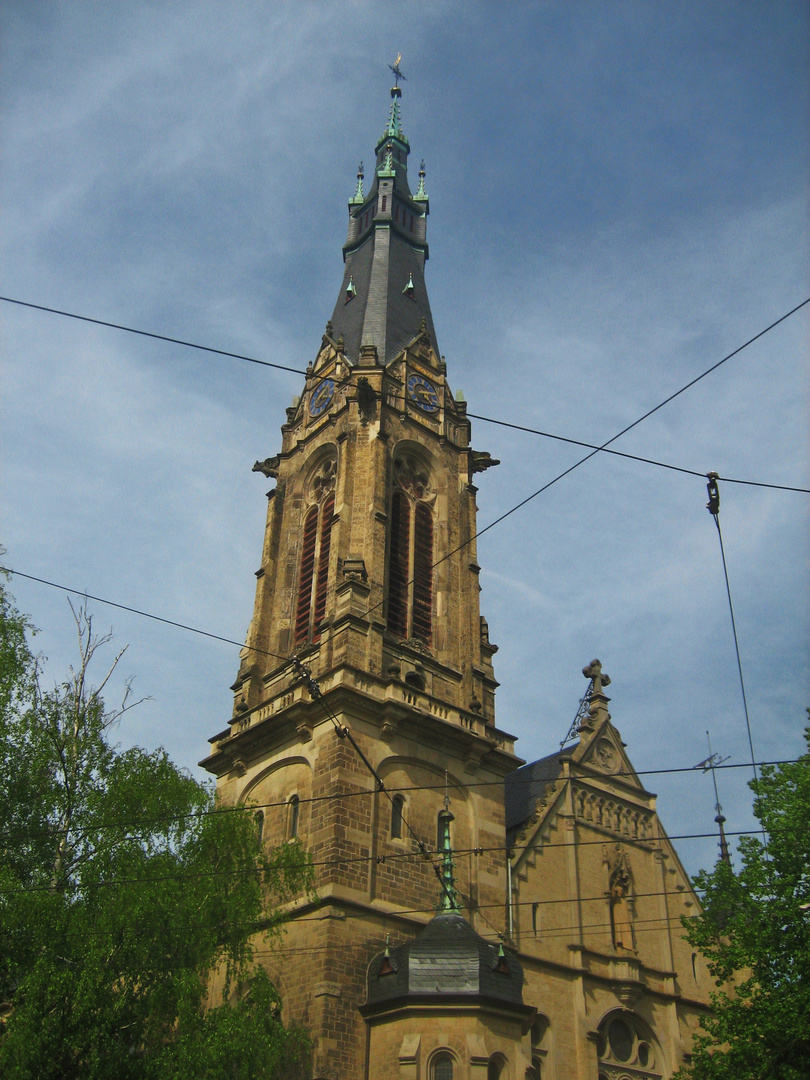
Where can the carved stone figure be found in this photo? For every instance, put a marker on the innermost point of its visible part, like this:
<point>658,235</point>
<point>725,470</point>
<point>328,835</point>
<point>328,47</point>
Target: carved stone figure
<point>269,466</point>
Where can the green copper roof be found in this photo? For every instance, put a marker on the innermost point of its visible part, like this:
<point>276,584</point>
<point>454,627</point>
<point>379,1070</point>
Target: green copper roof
<point>394,119</point>
<point>421,194</point>
<point>448,901</point>
<point>358,196</point>
<point>387,168</point>
<point>393,128</point>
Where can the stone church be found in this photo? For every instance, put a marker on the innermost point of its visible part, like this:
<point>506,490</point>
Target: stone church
<point>476,917</point>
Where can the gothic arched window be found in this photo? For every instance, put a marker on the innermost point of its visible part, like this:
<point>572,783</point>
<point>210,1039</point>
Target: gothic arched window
<point>293,808</point>
<point>624,1040</point>
<point>496,1067</point>
<point>441,1067</point>
<point>396,816</point>
<point>410,551</point>
<point>313,571</point>
<point>540,1046</point>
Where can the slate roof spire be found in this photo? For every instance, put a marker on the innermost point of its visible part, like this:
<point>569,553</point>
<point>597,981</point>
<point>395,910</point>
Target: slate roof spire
<point>385,252</point>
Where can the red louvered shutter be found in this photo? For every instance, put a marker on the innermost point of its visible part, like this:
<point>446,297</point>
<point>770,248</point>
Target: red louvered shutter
<point>422,573</point>
<point>322,583</point>
<point>398,565</point>
<point>305,576</point>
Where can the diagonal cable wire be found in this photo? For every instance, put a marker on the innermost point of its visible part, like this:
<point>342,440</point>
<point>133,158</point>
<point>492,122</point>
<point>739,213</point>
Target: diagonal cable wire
<point>475,416</point>
<point>144,614</point>
<point>632,457</point>
<point>603,446</point>
<point>149,334</point>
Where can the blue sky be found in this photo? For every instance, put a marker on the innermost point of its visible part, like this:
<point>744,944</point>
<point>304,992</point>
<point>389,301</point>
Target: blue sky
<point>619,198</point>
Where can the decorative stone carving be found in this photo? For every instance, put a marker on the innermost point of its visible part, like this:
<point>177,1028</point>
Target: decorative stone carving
<point>612,814</point>
<point>418,645</point>
<point>622,903</point>
<point>323,479</point>
<point>366,399</point>
<point>605,755</point>
<point>354,569</point>
<point>414,478</point>
<point>596,698</point>
<point>480,461</point>
<point>269,466</point>
<point>600,680</point>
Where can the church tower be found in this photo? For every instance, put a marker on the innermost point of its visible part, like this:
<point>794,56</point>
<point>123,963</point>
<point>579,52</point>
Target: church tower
<point>369,577</point>
<point>364,725</point>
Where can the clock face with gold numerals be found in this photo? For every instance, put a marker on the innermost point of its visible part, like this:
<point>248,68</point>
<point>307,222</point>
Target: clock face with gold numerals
<point>423,393</point>
<point>322,397</point>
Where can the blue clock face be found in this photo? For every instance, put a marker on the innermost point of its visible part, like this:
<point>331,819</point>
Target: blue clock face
<point>423,394</point>
<point>322,397</point>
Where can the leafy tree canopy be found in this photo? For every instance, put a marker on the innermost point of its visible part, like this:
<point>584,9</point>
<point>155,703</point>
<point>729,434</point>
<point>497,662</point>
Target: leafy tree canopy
<point>123,887</point>
<point>755,933</point>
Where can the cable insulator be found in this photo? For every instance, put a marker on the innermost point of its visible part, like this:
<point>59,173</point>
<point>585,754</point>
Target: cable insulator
<point>713,505</point>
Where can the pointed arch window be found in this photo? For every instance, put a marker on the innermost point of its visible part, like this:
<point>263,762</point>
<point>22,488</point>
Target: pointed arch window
<point>313,572</point>
<point>441,1067</point>
<point>410,552</point>
<point>496,1067</point>
<point>396,816</point>
<point>293,808</point>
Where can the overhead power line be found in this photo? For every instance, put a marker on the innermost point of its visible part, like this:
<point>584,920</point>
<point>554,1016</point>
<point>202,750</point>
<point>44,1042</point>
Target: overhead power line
<point>603,448</point>
<point>141,825</point>
<point>352,860</point>
<point>149,334</point>
<point>143,614</point>
<point>280,919</point>
<point>634,457</point>
<point>635,423</point>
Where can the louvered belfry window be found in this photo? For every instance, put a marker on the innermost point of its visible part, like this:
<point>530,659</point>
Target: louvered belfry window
<point>398,566</point>
<point>410,551</point>
<point>313,573</point>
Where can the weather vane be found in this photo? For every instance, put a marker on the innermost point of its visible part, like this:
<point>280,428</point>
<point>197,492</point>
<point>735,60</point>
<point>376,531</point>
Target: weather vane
<point>397,71</point>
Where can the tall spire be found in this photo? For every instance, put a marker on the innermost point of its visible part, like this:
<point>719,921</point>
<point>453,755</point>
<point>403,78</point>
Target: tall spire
<point>448,899</point>
<point>394,118</point>
<point>387,306</point>
<point>358,198</point>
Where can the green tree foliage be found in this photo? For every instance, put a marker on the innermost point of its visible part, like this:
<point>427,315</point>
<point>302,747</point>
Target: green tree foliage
<point>755,933</point>
<point>123,889</point>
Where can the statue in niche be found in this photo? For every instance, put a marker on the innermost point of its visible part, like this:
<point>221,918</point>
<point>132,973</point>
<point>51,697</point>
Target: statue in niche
<point>621,904</point>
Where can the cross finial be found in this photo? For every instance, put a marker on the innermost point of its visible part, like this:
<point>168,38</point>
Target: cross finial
<point>600,680</point>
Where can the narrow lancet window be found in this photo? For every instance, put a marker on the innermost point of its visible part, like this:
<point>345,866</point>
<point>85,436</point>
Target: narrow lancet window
<point>396,816</point>
<point>302,615</point>
<point>327,513</point>
<point>398,565</point>
<point>313,573</point>
<point>410,552</point>
<point>292,817</point>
